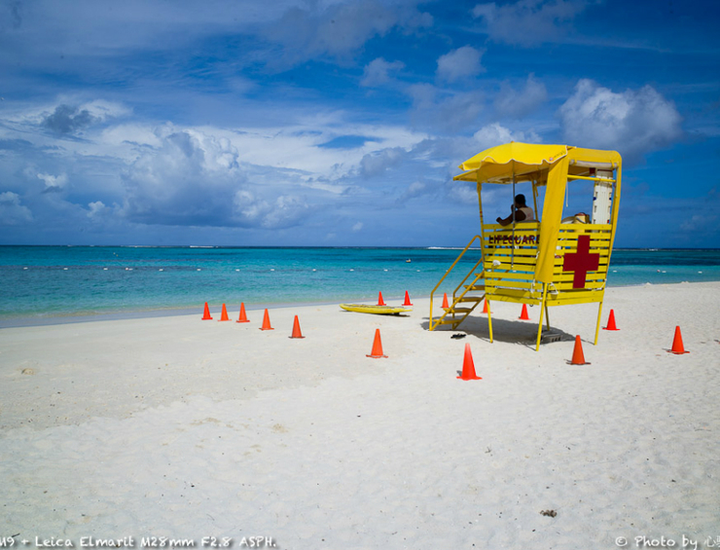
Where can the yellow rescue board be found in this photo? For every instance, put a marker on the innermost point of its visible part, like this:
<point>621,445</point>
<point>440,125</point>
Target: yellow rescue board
<point>379,310</point>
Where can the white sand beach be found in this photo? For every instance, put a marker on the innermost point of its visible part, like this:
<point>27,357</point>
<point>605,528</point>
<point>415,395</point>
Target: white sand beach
<point>181,428</point>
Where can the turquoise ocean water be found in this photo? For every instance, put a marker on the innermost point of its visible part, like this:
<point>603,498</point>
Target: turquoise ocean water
<point>55,284</point>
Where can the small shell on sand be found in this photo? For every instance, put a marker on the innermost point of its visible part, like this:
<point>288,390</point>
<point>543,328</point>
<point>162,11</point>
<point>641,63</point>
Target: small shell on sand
<point>28,371</point>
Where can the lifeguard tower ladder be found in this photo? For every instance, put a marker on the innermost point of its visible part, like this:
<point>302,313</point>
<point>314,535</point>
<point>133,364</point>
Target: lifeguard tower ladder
<point>556,261</point>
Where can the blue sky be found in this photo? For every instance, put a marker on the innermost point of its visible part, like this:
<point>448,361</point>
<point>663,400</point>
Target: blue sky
<point>342,122</point>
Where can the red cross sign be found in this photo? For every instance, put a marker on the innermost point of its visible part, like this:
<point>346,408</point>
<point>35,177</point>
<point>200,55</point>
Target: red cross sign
<point>581,261</point>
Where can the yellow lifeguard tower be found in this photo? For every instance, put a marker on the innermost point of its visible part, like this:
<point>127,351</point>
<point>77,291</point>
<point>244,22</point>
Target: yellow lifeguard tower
<point>552,262</point>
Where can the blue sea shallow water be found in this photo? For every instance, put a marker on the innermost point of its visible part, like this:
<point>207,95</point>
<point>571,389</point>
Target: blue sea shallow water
<point>46,284</point>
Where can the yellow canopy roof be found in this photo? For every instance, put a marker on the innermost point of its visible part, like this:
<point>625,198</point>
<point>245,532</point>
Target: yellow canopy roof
<point>522,161</point>
<point>501,162</point>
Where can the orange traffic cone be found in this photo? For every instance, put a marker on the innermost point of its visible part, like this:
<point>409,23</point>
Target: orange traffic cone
<point>407,299</point>
<point>468,372</point>
<point>611,322</point>
<point>377,350</point>
<point>224,315</point>
<point>296,329</point>
<point>524,314</point>
<point>206,314</point>
<point>578,357</point>
<point>677,347</point>
<point>243,316</point>
<point>380,300</point>
<point>445,301</point>
<point>266,321</point>
<point>486,307</point>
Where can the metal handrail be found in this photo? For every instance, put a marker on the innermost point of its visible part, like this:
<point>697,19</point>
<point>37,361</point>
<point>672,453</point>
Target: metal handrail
<point>448,272</point>
<point>474,268</point>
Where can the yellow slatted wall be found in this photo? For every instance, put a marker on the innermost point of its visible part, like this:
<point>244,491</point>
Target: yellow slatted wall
<point>509,274</point>
<point>509,263</point>
<point>562,291</point>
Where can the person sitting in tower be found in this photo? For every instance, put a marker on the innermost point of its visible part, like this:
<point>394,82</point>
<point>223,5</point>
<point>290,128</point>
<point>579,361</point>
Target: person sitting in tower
<point>521,212</point>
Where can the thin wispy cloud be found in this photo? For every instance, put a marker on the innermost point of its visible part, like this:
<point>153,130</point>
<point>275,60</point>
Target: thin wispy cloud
<point>336,31</point>
<point>529,22</point>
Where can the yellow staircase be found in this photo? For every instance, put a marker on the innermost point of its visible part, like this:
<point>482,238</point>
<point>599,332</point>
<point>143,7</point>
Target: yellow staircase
<point>465,298</point>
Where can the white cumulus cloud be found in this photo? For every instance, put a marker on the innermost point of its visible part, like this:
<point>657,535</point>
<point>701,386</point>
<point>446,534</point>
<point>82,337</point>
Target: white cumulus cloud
<point>53,183</point>
<point>378,72</point>
<point>96,210</point>
<point>497,134</point>
<point>189,180</point>
<point>461,63</point>
<point>11,211</point>
<point>252,210</point>
<point>69,119</point>
<point>633,122</point>
<point>376,163</point>
<point>519,103</point>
